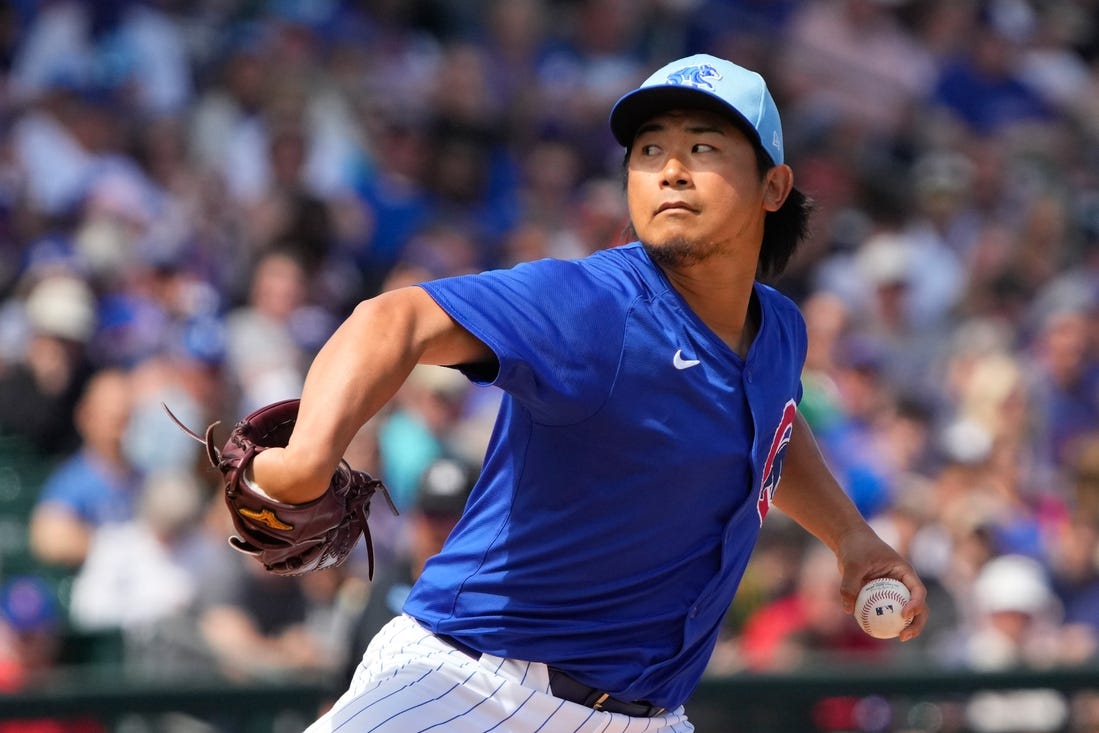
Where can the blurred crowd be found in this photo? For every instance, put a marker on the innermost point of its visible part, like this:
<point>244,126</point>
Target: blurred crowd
<point>194,194</point>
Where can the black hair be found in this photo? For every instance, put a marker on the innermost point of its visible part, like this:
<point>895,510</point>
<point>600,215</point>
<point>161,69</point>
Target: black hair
<point>783,230</point>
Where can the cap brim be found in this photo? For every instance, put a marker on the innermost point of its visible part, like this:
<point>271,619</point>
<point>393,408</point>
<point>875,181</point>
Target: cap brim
<point>640,105</point>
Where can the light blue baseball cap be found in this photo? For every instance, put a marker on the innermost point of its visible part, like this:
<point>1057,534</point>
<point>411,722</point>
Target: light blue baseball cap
<point>710,83</point>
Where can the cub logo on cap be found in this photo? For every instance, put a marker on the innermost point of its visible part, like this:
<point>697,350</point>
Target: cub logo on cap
<point>695,76</point>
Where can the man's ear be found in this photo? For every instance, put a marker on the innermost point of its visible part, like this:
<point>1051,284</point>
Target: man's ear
<point>777,185</point>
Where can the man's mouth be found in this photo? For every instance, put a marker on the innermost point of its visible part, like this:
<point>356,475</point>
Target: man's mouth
<point>675,206</point>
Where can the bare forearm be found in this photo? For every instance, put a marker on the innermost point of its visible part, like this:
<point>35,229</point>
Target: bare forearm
<point>352,377</point>
<point>810,495</point>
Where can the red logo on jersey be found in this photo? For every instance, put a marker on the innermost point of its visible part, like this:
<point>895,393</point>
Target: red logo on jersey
<point>772,468</point>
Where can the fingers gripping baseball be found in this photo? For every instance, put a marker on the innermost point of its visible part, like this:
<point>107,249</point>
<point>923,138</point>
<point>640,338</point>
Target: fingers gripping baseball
<point>865,558</point>
<point>289,539</point>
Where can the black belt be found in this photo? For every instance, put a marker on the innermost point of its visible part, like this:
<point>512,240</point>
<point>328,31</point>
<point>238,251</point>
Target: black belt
<point>567,688</point>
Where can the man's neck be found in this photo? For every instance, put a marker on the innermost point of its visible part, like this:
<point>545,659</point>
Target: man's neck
<point>721,298</point>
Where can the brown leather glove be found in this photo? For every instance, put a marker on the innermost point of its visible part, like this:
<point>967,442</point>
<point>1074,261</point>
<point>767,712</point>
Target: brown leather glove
<point>289,539</point>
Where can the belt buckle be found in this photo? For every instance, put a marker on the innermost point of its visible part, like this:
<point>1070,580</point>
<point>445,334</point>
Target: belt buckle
<point>567,688</point>
<point>652,712</point>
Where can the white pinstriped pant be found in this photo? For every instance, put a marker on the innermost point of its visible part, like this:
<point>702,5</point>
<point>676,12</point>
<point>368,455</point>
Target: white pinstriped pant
<point>409,681</point>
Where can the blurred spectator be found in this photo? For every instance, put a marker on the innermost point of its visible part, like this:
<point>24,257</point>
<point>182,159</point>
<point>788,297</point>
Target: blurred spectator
<point>514,41</point>
<point>31,647</point>
<point>1074,553</point>
<point>957,540</point>
<point>146,571</point>
<point>982,87</point>
<point>287,216</point>
<point>151,58</point>
<point>153,304</point>
<point>1043,243</point>
<point>442,249</point>
<point>394,192</point>
<point>61,146</point>
<point>188,380</point>
<point>1053,64</point>
<point>1015,623</point>
<point>440,500</point>
<point>31,625</point>
<point>222,116</point>
<point>255,624</point>
<point>806,625</point>
<point>1082,476</point>
<point>269,77</point>
<point>136,45</point>
<point>45,374</point>
<point>995,425</point>
<point>469,187</point>
<point>909,289</point>
<point>856,438</point>
<point>550,174</point>
<point>853,66</point>
<point>424,412</point>
<point>95,485</point>
<point>945,217</point>
<point>56,44</point>
<point>1074,558</point>
<point>601,219</point>
<point>462,96</point>
<point>1015,615</point>
<point>271,338</point>
<point>1065,382</point>
<point>595,53</point>
<point>826,324</point>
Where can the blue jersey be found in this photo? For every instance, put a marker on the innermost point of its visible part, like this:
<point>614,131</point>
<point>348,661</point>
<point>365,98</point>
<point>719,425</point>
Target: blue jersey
<point>627,476</point>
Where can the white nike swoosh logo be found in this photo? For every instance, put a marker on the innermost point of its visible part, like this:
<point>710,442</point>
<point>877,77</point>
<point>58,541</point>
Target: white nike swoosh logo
<point>680,363</point>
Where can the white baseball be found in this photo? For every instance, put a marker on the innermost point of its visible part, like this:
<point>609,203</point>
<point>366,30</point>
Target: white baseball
<point>878,607</point>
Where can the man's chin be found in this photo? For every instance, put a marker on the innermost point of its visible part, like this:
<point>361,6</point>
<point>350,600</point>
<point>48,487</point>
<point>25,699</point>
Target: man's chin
<point>675,252</point>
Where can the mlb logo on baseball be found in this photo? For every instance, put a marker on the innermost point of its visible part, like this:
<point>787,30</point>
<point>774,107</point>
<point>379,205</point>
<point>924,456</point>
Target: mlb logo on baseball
<point>878,608</point>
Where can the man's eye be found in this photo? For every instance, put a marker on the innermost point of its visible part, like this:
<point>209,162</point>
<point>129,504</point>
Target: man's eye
<point>703,148</point>
<point>649,149</point>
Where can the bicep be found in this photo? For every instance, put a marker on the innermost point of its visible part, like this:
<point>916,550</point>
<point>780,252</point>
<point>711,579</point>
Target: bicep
<point>359,369</point>
<point>443,341</point>
<point>403,327</point>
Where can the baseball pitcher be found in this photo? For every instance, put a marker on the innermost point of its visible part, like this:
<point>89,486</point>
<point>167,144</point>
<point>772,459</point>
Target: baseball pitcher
<point>649,424</point>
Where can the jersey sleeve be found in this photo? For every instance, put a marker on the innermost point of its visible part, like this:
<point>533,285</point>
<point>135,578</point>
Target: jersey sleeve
<point>556,330</point>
